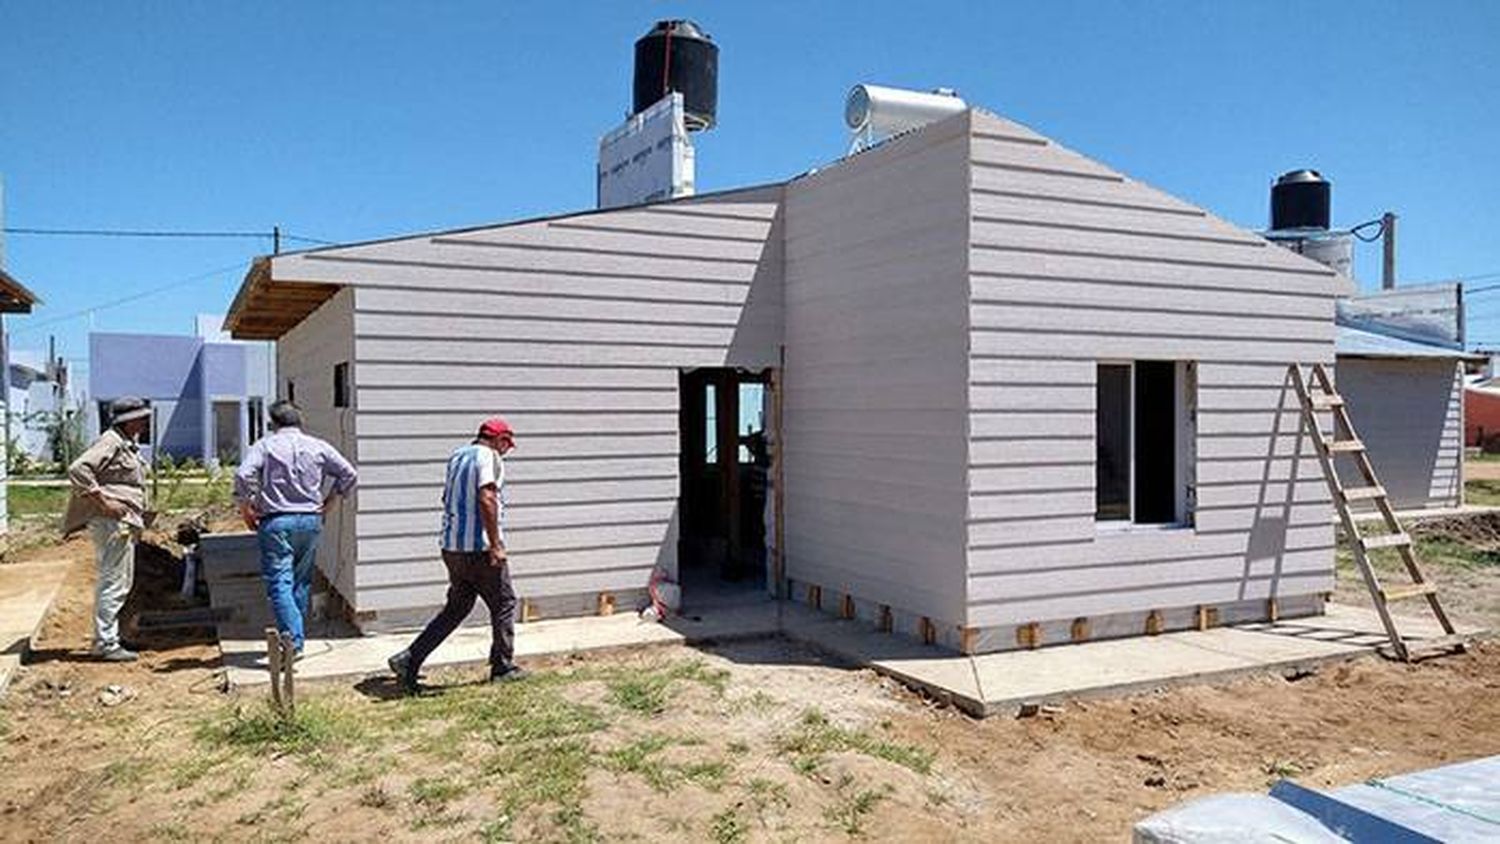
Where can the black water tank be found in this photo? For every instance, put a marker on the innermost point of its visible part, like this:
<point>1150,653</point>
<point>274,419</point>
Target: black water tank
<point>678,56</point>
<point>1301,199</point>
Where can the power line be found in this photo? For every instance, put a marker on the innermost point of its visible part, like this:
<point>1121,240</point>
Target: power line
<point>125,300</point>
<point>270,235</point>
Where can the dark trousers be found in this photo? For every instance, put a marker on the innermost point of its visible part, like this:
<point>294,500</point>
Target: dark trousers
<point>470,575</point>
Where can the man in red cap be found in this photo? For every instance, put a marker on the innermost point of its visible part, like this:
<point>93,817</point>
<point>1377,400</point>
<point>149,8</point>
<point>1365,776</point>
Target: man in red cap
<point>473,546</point>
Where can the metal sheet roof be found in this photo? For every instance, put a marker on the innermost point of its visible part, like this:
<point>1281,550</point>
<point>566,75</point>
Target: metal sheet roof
<point>1354,342</point>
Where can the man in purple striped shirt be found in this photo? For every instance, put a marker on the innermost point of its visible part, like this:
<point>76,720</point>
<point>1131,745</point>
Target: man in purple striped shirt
<point>279,488</point>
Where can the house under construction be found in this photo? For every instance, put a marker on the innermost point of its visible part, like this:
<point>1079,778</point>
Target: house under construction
<point>1015,396</point>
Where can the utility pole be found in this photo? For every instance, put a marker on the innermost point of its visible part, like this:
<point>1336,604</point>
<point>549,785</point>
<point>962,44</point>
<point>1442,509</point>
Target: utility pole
<point>1388,244</point>
<point>276,240</point>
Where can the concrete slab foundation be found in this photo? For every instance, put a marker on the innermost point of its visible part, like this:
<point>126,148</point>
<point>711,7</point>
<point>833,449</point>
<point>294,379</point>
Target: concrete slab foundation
<point>1000,683</point>
<point>27,591</point>
<point>990,684</point>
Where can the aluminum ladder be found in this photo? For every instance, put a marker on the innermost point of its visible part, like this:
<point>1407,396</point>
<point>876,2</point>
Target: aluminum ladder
<point>1317,394</point>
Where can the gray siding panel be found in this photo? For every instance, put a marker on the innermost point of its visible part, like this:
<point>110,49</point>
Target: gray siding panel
<point>305,356</point>
<point>1409,413</point>
<point>875,422</point>
<point>1072,265</point>
<point>575,329</point>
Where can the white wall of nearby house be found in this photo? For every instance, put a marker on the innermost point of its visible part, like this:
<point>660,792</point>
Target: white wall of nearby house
<point>1409,414</point>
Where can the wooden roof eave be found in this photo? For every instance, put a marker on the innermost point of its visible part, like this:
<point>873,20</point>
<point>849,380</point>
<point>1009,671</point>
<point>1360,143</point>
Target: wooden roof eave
<point>14,297</point>
<point>266,308</point>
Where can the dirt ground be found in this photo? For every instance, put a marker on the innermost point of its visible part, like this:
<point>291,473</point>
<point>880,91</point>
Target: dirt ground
<point>757,741</point>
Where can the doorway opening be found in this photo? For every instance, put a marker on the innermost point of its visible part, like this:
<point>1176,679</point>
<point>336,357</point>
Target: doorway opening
<point>227,443</point>
<point>726,473</point>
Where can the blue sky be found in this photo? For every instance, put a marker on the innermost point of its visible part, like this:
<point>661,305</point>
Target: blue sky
<point>347,121</point>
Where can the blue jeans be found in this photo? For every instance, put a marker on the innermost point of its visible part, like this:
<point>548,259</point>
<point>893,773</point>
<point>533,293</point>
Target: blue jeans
<point>288,553</point>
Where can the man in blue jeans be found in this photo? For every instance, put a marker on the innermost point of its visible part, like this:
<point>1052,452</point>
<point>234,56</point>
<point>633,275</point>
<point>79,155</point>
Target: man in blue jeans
<point>279,488</point>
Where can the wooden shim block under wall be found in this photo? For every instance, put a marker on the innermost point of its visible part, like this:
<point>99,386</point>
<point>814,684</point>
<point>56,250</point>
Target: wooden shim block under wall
<point>1029,635</point>
<point>885,622</point>
<point>815,597</point>
<point>606,604</point>
<point>846,606</point>
<point>929,631</point>
<point>1153,623</point>
<point>1080,630</point>
<point>528,610</point>
<point>968,638</point>
<point>1207,617</point>
<point>1273,612</point>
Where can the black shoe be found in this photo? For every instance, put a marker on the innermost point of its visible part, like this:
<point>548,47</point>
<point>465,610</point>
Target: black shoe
<point>509,675</point>
<point>401,666</point>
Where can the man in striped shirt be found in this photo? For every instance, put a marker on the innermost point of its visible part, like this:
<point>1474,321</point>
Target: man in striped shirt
<point>473,546</point>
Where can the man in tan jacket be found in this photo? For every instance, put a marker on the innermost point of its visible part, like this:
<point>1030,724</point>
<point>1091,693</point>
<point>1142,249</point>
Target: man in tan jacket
<point>109,498</point>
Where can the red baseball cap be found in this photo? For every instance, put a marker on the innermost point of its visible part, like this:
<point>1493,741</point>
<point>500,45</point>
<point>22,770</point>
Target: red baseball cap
<point>496,427</point>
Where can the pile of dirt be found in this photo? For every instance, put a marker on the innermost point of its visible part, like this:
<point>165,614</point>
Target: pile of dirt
<point>1479,530</point>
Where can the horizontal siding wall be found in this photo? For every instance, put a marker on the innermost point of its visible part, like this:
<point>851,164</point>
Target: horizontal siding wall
<point>875,399</point>
<point>575,329</point>
<point>1409,413</point>
<point>1072,264</point>
<point>306,356</point>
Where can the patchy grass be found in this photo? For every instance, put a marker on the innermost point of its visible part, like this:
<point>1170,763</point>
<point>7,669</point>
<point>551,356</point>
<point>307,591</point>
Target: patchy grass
<point>641,757</point>
<point>508,714</point>
<point>648,691</point>
<point>26,500</point>
<point>815,736</point>
<point>503,763</point>
<point>727,827</point>
<point>853,809</point>
<point>1484,493</point>
<point>1454,553</point>
<point>434,791</point>
<point>316,725</point>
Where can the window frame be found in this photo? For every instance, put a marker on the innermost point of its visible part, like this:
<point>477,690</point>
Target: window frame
<point>1184,409</point>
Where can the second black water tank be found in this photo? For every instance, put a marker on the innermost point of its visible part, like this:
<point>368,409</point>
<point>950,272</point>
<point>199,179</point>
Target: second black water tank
<point>1301,199</point>
<point>678,56</point>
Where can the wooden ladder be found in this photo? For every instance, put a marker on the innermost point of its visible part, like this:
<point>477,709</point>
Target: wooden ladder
<point>1316,394</point>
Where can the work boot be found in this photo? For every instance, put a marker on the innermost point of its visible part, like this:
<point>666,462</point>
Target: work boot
<point>509,675</point>
<point>406,677</point>
<point>118,653</point>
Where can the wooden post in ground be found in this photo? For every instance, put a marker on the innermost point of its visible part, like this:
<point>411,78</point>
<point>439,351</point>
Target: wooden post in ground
<point>288,673</point>
<point>273,664</point>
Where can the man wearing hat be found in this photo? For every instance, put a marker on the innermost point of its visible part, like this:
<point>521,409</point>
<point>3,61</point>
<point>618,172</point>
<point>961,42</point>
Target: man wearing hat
<point>279,487</point>
<point>109,498</point>
<point>473,546</point>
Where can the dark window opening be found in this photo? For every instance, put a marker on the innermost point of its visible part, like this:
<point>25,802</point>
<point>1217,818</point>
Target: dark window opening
<point>1142,433</point>
<point>1156,442</point>
<point>341,385</point>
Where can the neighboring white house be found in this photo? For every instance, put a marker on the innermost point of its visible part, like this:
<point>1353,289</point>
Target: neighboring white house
<point>1024,398</point>
<point>14,299</point>
<point>38,393</point>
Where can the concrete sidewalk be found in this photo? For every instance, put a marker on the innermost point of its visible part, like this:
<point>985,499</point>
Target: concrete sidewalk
<point>27,591</point>
<point>333,653</point>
